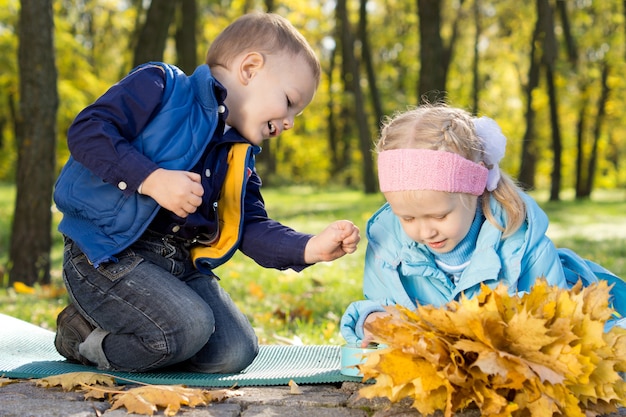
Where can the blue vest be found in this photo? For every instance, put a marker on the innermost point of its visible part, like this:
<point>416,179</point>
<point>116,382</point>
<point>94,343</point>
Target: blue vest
<point>97,215</point>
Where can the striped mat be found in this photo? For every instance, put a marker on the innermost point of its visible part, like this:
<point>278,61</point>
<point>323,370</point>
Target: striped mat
<point>27,351</point>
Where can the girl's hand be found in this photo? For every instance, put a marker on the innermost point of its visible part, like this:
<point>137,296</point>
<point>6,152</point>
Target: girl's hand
<point>177,191</point>
<point>338,239</point>
<point>368,337</point>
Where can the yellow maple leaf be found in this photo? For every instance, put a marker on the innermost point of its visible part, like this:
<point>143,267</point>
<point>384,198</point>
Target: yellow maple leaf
<point>526,332</point>
<point>147,399</point>
<point>22,288</point>
<point>491,402</point>
<point>540,353</point>
<point>6,381</point>
<point>596,303</point>
<point>221,394</point>
<point>72,380</point>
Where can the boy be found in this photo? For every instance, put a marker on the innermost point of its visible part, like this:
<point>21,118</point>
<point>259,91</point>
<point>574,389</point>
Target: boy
<point>161,189</point>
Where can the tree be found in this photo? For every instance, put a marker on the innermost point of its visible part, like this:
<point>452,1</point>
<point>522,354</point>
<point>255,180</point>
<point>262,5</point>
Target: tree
<point>352,82</point>
<point>36,140</point>
<point>549,61</point>
<point>528,166</point>
<point>186,44</point>
<point>585,186</point>
<point>476,58</point>
<point>433,65</point>
<point>154,32</point>
<point>557,146</point>
<point>597,61</point>
<point>369,63</point>
<point>333,133</point>
<point>434,55</point>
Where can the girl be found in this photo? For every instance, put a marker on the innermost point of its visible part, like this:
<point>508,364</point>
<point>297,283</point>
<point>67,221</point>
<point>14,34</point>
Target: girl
<point>453,220</point>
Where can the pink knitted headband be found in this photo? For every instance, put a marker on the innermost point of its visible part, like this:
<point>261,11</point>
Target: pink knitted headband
<point>426,169</point>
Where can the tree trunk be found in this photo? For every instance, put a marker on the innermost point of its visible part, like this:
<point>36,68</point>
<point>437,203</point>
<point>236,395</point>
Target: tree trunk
<point>550,51</point>
<point>154,32</point>
<point>369,64</point>
<point>581,126</point>
<point>433,70</point>
<point>476,58</point>
<point>352,83</point>
<point>31,238</point>
<point>186,45</point>
<point>597,131</point>
<point>557,147</point>
<point>528,165</point>
<point>570,41</point>
<point>333,135</point>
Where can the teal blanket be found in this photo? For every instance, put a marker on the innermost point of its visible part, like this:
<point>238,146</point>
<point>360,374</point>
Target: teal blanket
<point>27,351</point>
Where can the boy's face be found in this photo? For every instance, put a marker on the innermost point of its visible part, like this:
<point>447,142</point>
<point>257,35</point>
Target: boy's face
<point>437,219</point>
<point>272,90</point>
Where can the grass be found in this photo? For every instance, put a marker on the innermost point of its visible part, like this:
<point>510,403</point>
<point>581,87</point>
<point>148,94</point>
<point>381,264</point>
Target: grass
<point>289,307</point>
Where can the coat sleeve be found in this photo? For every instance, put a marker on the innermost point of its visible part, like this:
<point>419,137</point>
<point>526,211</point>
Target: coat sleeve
<point>381,287</point>
<point>270,243</point>
<point>100,136</point>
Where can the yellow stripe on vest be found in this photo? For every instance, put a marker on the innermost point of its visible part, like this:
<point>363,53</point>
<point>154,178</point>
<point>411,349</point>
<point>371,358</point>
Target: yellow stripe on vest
<point>230,208</point>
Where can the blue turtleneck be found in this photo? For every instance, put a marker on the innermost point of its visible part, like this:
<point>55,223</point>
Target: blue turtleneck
<point>453,263</point>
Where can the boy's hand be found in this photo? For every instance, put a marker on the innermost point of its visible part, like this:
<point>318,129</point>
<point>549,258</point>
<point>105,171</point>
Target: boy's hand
<point>177,191</point>
<point>338,239</point>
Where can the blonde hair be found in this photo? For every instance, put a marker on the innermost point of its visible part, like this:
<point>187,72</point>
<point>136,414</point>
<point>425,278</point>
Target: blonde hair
<point>442,128</point>
<point>266,33</point>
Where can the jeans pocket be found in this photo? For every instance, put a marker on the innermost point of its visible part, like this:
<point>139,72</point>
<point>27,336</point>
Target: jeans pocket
<point>127,261</point>
<point>77,262</point>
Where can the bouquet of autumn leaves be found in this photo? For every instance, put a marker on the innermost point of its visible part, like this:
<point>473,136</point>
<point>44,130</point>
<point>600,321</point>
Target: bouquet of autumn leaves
<point>544,353</point>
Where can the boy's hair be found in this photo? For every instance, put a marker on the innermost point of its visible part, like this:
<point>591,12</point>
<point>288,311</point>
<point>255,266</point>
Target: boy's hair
<point>439,127</point>
<point>267,33</point>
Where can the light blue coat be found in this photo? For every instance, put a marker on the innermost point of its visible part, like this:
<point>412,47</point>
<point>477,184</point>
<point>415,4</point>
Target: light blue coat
<point>400,271</point>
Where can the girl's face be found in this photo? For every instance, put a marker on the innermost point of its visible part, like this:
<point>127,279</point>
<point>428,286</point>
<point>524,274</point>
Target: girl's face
<point>437,219</point>
<point>272,91</point>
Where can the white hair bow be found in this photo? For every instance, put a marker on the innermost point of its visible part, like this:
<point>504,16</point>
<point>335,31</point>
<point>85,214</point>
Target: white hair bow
<point>494,143</point>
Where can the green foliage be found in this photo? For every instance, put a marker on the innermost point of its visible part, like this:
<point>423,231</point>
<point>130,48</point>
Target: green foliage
<point>94,45</point>
<point>8,85</point>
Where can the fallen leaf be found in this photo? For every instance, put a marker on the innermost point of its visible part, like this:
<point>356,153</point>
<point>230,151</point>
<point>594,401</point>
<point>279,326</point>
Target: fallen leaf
<point>295,389</point>
<point>541,353</point>
<point>217,395</point>
<point>22,288</point>
<point>74,380</point>
<point>6,381</point>
<point>147,399</point>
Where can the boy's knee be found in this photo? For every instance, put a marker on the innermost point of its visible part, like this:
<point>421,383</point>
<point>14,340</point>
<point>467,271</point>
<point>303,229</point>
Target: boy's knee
<point>231,359</point>
<point>191,336</point>
<point>245,356</point>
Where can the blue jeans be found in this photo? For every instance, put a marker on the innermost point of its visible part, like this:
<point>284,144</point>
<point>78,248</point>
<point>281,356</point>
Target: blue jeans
<point>155,309</point>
